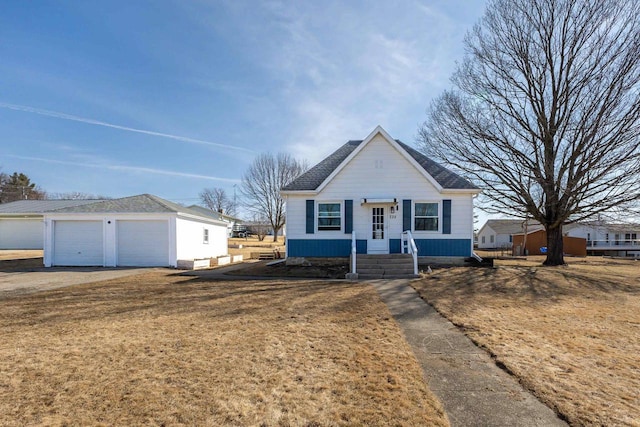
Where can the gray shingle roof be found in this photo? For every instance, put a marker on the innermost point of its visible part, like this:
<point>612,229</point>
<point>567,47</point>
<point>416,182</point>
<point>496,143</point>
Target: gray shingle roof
<point>314,177</point>
<point>511,226</point>
<point>143,203</point>
<point>40,206</point>
<point>214,214</point>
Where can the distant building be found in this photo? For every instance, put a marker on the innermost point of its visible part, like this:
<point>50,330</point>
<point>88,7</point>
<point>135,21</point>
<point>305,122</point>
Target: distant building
<point>497,233</point>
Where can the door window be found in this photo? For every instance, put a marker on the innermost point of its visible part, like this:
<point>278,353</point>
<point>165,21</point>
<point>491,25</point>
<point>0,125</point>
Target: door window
<point>377,223</point>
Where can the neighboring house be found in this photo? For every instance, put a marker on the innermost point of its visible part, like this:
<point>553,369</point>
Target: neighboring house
<point>536,240</point>
<point>607,239</point>
<point>22,225</point>
<point>377,188</point>
<point>142,230</point>
<point>497,233</point>
<point>230,220</point>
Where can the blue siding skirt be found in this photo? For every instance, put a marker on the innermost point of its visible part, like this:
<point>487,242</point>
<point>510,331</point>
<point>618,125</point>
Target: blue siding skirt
<point>395,246</point>
<point>342,247</point>
<point>444,247</point>
<point>319,248</point>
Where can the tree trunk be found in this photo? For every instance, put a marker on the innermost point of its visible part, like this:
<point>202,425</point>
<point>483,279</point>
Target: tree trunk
<point>275,234</point>
<point>555,247</point>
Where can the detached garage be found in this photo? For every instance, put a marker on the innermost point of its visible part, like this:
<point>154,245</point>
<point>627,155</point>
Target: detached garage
<point>21,222</point>
<point>140,231</point>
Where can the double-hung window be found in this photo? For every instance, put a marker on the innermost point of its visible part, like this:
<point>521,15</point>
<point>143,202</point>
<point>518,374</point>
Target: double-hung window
<point>205,236</point>
<point>426,217</point>
<point>329,216</point>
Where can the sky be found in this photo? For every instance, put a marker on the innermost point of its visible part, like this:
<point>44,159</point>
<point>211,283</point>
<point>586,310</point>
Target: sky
<point>117,98</point>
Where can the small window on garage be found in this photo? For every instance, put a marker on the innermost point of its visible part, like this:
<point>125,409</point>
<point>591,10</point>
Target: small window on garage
<point>483,239</point>
<point>205,236</point>
<point>491,238</point>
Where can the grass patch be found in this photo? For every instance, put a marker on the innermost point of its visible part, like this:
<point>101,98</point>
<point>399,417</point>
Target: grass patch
<point>163,349</point>
<point>571,333</point>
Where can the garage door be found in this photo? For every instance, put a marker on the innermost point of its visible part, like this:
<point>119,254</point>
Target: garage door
<point>143,243</point>
<point>78,243</point>
<point>21,234</point>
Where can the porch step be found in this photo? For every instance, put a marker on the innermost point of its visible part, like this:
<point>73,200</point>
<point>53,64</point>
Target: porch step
<point>385,266</point>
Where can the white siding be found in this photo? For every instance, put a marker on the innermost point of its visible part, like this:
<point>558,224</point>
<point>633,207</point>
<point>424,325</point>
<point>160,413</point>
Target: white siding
<point>78,243</point>
<point>379,171</point>
<point>21,233</point>
<point>142,243</point>
<point>190,243</point>
<point>499,240</point>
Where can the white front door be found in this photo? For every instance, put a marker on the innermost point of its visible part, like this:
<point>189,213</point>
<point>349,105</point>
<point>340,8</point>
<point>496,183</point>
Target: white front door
<point>378,241</point>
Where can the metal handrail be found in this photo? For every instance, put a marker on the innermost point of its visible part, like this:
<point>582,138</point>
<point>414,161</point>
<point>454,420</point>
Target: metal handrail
<point>409,246</point>
<point>353,252</point>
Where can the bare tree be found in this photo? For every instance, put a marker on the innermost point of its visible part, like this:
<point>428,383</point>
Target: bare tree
<point>261,186</point>
<point>217,200</point>
<point>545,111</point>
<point>75,195</point>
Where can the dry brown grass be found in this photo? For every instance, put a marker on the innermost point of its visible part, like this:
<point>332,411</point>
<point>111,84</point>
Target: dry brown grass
<point>160,349</point>
<point>571,334</point>
<point>11,254</point>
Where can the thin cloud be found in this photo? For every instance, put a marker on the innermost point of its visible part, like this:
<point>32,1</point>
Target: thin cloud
<point>63,116</point>
<point>128,168</point>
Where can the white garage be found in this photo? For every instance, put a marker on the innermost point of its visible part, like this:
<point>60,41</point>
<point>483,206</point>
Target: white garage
<point>18,233</point>
<point>22,223</point>
<point>142,243</point>
<point>78,243</point>
<point>137,231</point>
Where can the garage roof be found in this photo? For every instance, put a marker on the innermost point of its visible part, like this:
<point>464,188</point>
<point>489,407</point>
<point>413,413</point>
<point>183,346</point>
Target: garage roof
<point>142,203</point>
<point>40,206</point>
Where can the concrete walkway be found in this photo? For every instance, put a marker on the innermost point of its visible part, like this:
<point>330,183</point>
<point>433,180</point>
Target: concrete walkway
<point>472,389</point>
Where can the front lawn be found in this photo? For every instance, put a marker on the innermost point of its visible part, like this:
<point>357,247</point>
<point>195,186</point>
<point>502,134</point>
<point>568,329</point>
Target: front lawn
<point>571,333</point>
<point>163,349</point>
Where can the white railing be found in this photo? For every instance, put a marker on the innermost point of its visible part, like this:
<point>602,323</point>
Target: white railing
<point>612,244</point>
<point>409,247</point>
<point>353,252</point>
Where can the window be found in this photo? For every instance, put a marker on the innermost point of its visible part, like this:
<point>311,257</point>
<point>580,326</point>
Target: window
<point>328,216</point>
<point>483,239</point>
<point>426,217</point>
<point>205,236</point>
<point>510,239</point>
<point>492,238</point>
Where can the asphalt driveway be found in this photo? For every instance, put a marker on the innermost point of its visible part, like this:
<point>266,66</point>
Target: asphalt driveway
<point>42,279</point>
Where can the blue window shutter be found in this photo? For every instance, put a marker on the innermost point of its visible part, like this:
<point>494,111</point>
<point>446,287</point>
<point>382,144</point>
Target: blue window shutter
<point>446,217</point>
<point>310,216</point>
<point>348,216</point>
<point>406,215</point>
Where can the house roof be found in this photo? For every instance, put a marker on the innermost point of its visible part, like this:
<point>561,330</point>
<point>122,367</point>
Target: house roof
<point>41,206</point>
<point>214,214</point>
<point>510,226</point>
<point>143,203</point>
<point>314,177</point>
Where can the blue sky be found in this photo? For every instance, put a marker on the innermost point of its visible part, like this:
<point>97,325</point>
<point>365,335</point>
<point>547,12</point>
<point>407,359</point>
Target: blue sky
<point>118,98</point>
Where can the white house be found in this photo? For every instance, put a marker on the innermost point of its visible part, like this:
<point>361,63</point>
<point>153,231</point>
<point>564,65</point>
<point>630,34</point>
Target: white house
<point>607,239</point>
<point>142,230</point>
<point>377,188</point>
<point>498,233</point>
<point>22,224</point>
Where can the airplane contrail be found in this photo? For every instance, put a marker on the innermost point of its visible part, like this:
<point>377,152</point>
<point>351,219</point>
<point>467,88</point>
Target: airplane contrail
<point>64,116</point>
<point>128,168</point>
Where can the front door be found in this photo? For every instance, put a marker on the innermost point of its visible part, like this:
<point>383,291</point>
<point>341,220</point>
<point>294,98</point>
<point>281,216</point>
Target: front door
<point>378,242</point>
